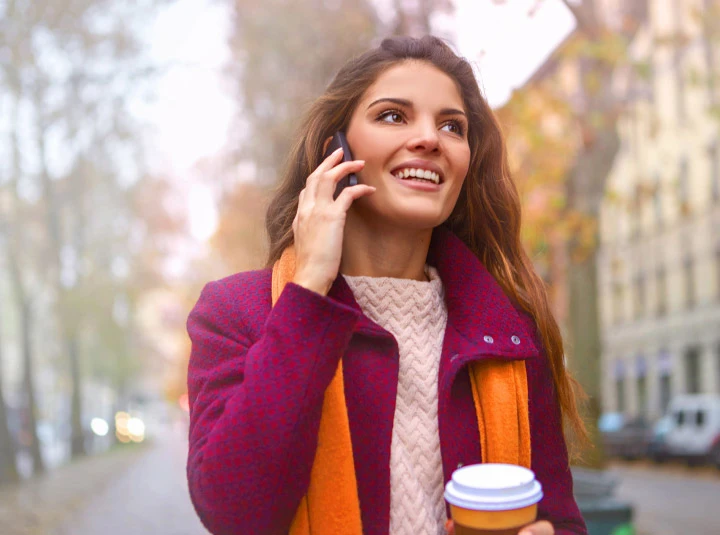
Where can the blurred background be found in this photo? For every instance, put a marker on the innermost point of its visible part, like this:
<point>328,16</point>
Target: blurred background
<point>140,141</point>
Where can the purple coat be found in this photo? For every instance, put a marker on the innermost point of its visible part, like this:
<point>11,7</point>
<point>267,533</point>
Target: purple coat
<point>258,374</point>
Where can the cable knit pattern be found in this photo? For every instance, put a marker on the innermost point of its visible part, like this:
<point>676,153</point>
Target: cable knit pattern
<point>415,313</point>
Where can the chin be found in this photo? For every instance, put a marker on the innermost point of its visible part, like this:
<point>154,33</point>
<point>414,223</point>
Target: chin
<point>417,220</point>
<point>412,215</point>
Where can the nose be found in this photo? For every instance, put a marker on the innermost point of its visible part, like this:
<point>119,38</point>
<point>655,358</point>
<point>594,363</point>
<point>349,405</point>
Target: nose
<point>424,137</point>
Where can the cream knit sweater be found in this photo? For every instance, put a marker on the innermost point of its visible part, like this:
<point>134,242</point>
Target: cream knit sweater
<point>415,313</point>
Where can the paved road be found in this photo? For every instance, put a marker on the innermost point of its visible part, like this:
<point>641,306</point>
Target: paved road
<point>671,500</point>
<point>151,498</point>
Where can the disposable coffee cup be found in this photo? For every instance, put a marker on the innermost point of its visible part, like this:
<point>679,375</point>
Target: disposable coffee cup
<point>492,499</point>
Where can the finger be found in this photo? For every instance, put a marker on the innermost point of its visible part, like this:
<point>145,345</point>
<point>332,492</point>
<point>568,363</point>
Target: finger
<point>333,158</point>
<point>349,194</point>
<point>328,181</point>
<point>328,163</point>
<point>543,527</point>
<point>450,527</point>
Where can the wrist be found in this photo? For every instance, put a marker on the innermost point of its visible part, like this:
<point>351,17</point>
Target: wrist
<point>313,286</point>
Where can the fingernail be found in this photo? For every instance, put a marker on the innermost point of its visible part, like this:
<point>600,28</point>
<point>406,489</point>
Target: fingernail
<point>337,150</point>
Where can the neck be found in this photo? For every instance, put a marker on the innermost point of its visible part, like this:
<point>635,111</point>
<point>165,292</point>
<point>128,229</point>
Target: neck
<point>376,249</point>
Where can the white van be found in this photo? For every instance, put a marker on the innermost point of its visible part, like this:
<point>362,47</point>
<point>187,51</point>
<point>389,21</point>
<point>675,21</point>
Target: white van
<point>695,431</point>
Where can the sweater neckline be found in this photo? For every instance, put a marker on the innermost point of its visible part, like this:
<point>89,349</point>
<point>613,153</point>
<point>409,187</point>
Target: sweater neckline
<point>430,272</point>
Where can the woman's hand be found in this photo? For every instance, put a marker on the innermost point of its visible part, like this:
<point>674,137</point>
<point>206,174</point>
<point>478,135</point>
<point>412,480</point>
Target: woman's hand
<point>320,222</point>
<point>541,527</point>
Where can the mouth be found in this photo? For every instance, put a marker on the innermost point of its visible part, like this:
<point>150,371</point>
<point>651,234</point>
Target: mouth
<point>419,171</point>
<point>419,175</point>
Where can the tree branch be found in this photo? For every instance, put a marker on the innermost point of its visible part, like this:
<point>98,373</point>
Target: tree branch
<point>575,10</point>
<point>584,14</point>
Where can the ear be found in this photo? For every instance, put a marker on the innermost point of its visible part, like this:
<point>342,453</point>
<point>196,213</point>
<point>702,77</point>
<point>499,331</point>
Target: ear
<point>325,145</point>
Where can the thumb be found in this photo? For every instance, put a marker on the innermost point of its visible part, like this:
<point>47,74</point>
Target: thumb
<point>543,527</point>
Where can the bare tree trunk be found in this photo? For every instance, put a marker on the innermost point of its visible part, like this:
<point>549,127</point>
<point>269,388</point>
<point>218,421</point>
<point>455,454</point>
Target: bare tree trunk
<point>64,313</point>
<point>25,309</point>
<point>585,191</point>
<point>8,466</point>
<point>14,241</point>
<point>585,349</point>
<point>77,440</point>
<point>586,186</point>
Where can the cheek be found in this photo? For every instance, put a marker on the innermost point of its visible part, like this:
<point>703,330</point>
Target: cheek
<point>462,164</point>
<point>374,150</point>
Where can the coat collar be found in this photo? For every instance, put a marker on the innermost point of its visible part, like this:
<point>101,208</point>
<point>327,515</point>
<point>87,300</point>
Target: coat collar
<point>478,310</point>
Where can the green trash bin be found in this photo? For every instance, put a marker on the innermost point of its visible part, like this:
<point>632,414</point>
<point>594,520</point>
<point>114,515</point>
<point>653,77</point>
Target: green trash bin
<point>603,514</point>
<point>607,516</point>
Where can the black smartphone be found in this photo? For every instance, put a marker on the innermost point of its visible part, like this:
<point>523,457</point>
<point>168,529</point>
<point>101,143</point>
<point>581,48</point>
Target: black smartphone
<point>337,141</point>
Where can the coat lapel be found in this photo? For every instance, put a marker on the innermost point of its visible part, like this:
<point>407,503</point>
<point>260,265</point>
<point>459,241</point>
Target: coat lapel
<point>370,375</point>
<point>478,309</point>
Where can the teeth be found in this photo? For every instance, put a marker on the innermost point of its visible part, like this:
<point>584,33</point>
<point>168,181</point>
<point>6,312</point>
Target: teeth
<point>418,173</point>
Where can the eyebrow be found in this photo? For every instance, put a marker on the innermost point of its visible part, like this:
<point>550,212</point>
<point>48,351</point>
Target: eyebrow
<point>409,104</point>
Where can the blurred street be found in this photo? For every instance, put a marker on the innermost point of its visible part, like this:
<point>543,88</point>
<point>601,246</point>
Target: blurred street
<point>150,497</point>
<point>145,492</point>
<point>671,499</point>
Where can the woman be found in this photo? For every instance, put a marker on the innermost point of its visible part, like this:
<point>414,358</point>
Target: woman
<point>344,385</point>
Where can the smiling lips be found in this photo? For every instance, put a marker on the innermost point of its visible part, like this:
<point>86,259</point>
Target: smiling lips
<point>418,174</point>
<point>419,170</point>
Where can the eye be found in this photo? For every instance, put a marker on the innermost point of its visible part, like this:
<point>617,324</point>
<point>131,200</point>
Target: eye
<point>391,116</point>
<point>456,127</point>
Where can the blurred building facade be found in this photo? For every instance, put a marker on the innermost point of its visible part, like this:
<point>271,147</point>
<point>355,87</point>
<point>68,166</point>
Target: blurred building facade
<point>659,258</point>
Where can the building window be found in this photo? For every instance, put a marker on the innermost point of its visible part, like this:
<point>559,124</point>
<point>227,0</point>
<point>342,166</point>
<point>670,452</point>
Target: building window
<point>665,369</point>
<point>617,303</point>
<point>692,370</point>
<point>661,291</point>
<point>640,373</point>
<point>636,213</point>
<point>639,297</point>
<point>684,187</point>
<point>711,12</point>
<point>619,375</point>
<point>689,280</point>
<point>657,201</point>
<point>652,79</point>
<point>717,273</point>
<point>665,392</point>
<point>717,365</point>
<point>714,156</point>
<point>678,53</point>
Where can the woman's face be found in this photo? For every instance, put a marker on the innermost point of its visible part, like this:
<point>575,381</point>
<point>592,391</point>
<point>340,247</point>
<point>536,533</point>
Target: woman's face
<point>411,122</point>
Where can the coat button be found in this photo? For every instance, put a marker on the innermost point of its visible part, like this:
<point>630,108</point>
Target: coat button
<point>488,339</point>
<point>515,340</point>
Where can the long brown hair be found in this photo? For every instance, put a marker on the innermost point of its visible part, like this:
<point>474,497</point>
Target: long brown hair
<point>487,214</point>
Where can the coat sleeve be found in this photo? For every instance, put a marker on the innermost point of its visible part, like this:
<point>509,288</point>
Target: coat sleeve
<point>549,453</point>
<point>256,401</point>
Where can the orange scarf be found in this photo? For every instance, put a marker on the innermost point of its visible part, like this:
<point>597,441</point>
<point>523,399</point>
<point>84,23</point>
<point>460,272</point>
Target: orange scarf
<point>331,504</point>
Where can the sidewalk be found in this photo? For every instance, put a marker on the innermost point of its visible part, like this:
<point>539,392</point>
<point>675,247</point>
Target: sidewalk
<point>37,506</point>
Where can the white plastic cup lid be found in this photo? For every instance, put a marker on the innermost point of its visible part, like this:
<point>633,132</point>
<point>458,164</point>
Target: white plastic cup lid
<point>493,487</point>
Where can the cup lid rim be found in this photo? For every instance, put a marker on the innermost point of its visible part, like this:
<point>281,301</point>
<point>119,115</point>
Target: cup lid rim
<point>495,494</point>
